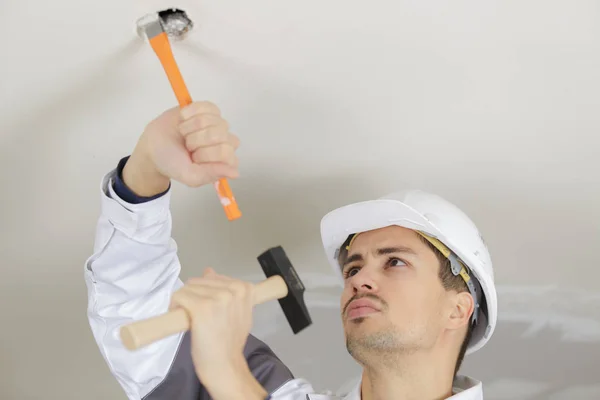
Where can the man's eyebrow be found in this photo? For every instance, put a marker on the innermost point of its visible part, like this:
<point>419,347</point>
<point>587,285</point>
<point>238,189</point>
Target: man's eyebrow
<point>397,249</point>
<point>383,251</point>
<point>354,257</point>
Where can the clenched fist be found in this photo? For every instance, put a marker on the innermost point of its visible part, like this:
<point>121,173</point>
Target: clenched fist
<point>220,312</point>
<point>192,145</point>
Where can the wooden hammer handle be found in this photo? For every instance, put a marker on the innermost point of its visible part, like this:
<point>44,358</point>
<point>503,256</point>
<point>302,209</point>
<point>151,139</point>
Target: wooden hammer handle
<point>142,333</point>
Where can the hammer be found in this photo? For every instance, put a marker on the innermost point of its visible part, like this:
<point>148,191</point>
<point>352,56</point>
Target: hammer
<point>282,283</point>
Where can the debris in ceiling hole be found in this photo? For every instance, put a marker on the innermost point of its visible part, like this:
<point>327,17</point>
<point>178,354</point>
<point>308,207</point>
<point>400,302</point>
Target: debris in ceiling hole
<point>175,22</point>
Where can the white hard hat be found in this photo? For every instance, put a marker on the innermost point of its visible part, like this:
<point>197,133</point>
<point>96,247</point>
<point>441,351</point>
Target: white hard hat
<point>437,220</point>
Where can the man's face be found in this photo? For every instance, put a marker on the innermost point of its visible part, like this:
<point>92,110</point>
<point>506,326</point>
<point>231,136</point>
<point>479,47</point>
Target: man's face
<point>393,298</point>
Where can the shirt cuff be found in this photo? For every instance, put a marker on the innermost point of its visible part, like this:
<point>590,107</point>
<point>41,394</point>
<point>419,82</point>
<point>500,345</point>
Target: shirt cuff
<point>127,194</point>
<point>128,216</point>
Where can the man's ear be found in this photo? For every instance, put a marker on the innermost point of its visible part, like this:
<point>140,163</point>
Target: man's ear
<point>462,309</point>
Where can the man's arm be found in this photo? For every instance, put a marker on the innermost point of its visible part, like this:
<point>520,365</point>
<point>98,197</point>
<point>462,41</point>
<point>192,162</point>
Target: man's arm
<point>131,275</point>
<point>134,269</point>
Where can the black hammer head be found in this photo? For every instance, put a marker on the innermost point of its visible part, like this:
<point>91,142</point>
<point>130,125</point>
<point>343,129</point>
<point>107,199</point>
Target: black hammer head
<point>275,262</point>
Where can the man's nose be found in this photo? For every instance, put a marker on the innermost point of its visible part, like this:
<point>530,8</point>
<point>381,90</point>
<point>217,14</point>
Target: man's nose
<point>364,281</point>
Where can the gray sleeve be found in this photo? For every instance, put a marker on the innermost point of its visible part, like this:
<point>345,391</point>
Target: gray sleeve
<point>181,383</point>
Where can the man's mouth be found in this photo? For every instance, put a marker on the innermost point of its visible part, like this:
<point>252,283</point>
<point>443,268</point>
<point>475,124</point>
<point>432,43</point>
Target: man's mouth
<point>360,308</point>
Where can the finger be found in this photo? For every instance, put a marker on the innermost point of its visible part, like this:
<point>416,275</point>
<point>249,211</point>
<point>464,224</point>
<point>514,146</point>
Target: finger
<point>196,175</point>
<point>220,282</point>
<point>200,122</point>
<point>210,136</point>
<point>209,287</point>
<point>222,153</point>
<point>188,300</point>
<point>198,107</point>
<point>209,291</point>
<point>210,280</point>
<point>234,140</point>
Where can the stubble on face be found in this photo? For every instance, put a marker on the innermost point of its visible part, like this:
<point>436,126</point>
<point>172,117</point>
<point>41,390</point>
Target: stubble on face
<point>382,347</point>
<point>380,343</point>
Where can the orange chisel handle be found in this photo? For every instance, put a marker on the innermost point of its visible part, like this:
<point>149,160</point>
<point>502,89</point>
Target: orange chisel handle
<point>162,47</point>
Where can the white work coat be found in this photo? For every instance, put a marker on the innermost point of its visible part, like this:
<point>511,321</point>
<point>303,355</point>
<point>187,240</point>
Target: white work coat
<point>464,388</point>
<point>131,275</point>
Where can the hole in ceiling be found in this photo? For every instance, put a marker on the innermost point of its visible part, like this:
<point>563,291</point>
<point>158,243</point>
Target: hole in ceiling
<point>175,22</point>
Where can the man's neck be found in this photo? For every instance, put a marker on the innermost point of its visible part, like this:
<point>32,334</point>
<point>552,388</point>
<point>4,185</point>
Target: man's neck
<point>415,376</point>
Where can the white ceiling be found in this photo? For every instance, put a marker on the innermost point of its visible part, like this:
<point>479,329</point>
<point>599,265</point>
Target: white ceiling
<point>493,105</point>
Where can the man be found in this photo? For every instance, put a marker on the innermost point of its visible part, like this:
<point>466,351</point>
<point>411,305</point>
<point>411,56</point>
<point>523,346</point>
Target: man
<point>418,284</point>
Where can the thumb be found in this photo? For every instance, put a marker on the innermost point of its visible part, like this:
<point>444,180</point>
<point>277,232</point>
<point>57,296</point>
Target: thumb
<point>208,272</point>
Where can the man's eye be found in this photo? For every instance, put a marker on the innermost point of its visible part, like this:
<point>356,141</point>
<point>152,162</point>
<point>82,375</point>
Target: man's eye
<point>351,272</point>
<point>396,262</point>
